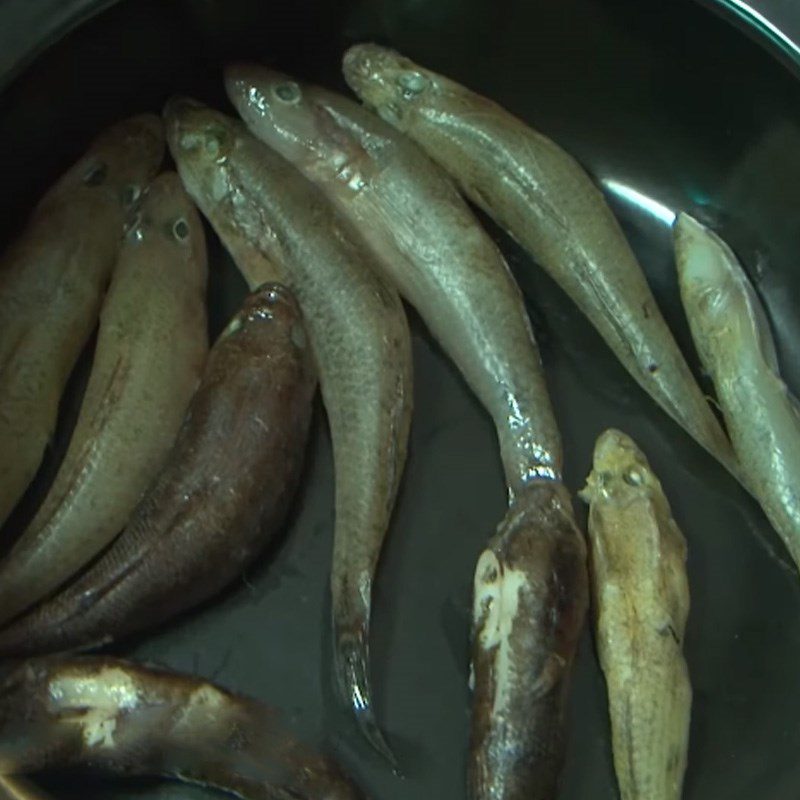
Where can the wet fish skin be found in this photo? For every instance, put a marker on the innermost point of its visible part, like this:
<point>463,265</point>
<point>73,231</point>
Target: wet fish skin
<point>275,222</point>
<point>641,599</point>
<point>546,201</point>
<point>151,349</point>
<point>732,335</point>
<point>530,600</point>
<point>222,494</point>
<point>427,242</point>
<point>116,716</point>
<point>52,281</point>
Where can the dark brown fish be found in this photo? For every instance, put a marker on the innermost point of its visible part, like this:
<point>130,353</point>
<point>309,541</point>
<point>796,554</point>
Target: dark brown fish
<point>223,493</point>
<point>531,595</point>
<point>52,281</point>
<point>115,716</point>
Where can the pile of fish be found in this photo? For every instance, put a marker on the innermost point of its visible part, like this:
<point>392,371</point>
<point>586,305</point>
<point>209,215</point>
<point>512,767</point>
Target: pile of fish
<point>184,461</point>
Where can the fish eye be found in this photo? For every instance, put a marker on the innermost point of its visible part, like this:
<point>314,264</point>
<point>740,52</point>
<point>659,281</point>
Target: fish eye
<point>633,477</point>
<point>213,143</point>
<point>412,84</point>
<point>95,175</point>
<point>180,230</point>
<point>130,194</point>
<point>288,92</point>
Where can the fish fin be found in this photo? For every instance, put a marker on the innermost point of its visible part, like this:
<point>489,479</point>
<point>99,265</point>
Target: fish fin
<point>351,663</point>
<point>552,672</point>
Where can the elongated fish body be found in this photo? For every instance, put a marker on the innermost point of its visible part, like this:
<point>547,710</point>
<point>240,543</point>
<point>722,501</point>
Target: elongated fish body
<point>733,339</point>
<point>430,245</point>
<point>530,600</point>
<point>15,788</point>
<point>274,221</point>
<point>52,281</point>
<point>546,201</point>
<point>119,717</point>
<point>151,349</point>
<point>220,497</point>
<point>641,598</point>
<point>427,242</point>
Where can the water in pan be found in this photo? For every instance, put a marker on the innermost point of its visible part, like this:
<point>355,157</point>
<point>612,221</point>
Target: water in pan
<point>668,109</point>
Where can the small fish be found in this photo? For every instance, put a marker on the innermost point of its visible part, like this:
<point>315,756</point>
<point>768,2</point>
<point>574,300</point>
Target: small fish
<point>220,497</point>
<point>115,716</point>
<point>52,281</point>
<point>732,336</point>
<point>427,242</point>
<point>641,599</point>
<point>542,196</point>
<point>530,600</point>
<point>276,223</point>
<point>151,349</point>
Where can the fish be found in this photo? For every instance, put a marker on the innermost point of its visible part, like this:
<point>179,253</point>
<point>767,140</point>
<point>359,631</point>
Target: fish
<point>274,222</point>
<point>529,605</point>
<point>220,497</point>
<point>129,719</point>
<point>52,281</point>
<point>426,241</point>
<point>641,601</point>
<point>731,332</point>
<point>430,245</point>
<point>15,788</point>
<point>151,349</point>
<point>545,200</point>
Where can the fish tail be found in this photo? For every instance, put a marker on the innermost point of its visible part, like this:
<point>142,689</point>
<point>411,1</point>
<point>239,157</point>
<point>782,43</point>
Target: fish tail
<point>351,665</point>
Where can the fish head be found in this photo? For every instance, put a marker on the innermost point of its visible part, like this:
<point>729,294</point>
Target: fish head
<point>620,468</point>
<point>200,138</point>
<point>202,142</point>
<point>166,214</point>
<point>123,158</point>
<point>316,129</point>
<point>393,85</point>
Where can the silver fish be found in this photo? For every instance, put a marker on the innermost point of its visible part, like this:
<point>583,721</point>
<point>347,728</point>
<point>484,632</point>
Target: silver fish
<point>52,281</point>
<point>530,583</point>
<point>277,225</point>
<point>151,348</point>
<point>542,196</point>
<point>641,599</point>
<point>427,242</point>
<point>732,336</point>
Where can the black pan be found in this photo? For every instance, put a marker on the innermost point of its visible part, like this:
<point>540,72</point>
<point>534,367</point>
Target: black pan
<point>669,106</point>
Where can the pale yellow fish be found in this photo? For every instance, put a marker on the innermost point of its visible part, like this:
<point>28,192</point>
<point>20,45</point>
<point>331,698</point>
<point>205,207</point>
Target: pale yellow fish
<point>641,602</point>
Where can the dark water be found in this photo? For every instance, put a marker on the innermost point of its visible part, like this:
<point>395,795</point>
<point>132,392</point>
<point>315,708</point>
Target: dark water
<point>671,104</point>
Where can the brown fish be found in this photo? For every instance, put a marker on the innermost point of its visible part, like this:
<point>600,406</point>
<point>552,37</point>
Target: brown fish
<point>119,717</point>
<point>222,494</point>
<point>530,600</point>
<point>151,349</point>
<point>52,281</point>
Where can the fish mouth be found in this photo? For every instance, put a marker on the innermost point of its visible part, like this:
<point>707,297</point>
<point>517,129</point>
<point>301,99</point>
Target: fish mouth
<point>361,62</point>
<point>179,114</point>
